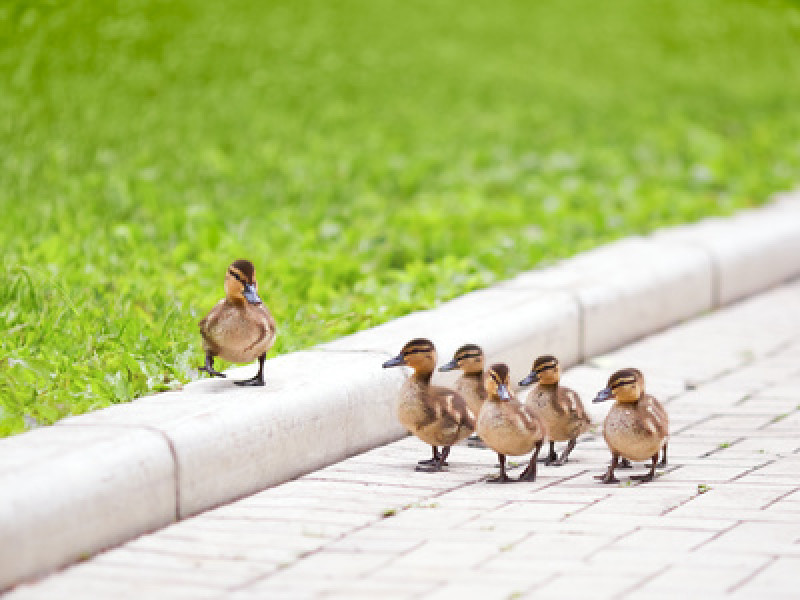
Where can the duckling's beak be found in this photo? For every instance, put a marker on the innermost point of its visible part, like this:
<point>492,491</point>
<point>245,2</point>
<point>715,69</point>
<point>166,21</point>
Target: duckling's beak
<point>502,392</point>
<point>397,361</point>
<point>452,365</point>
<point>603,395</point>
<point>250,294</point>
<point>532,377</point>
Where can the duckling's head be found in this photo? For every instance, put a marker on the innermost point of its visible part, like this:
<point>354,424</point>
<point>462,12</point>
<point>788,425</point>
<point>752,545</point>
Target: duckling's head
<point>240,282</point>
<point>496,382</point>
<point>545,370</point>
<point>626,385</point>
<point>469,358</point>
<point>419,354</point>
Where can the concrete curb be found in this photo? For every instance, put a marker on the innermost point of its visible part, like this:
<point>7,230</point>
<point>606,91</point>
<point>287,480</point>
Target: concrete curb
<point>96,480</point>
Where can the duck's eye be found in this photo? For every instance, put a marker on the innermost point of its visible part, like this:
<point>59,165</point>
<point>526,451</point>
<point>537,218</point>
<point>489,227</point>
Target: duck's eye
<point>415,351</point>
<point>466,356</point>
<point>236,277</point>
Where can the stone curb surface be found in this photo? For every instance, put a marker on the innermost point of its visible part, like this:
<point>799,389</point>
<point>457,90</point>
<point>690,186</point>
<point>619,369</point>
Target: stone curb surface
<point>96,480</point>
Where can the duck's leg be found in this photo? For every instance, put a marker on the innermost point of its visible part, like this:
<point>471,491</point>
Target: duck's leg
<point>430,461</point>
<point>529,474</point>
<point>609,475</point>
<point>502,478</point>
<point>259,378</point>
<point>551,456</point>
<point>624,463</point>
<point>209,366</point>
<point>648,476</point>
<point>565,454</point>
<point>663,462</point>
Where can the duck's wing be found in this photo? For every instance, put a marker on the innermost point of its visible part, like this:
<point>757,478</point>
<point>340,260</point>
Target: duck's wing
<point>446,402</point>
<point>657,414</point>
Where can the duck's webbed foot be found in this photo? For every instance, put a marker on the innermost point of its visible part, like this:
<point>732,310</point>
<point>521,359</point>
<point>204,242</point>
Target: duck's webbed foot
<point>502,477</point>
<point>258,380</point>
<point>529,474</point>
<point>209,367</point>
<point>551,457</point>
<point>562,460</point>
<point>435,463</point>
<point>624,463</point>
<point>608,477</point>
<point>651,474</point>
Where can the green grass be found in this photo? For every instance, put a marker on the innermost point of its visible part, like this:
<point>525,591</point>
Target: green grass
<point>371,157</point>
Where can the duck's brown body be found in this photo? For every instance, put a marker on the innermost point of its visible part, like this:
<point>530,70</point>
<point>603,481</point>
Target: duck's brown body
<point>470,387</point>
<point>636,431</point>
<point>238,332</point>
<point>561,410</point>
<point>436,415</point>
<point>239,328</point>
<point>510,428</point>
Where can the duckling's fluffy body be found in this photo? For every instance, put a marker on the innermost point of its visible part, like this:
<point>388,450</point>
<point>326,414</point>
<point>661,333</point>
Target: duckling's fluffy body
<point>470,387</point>
<point>636,431</point>
<point>436,415</point>
<point>561,409</point>
<point>509,427</point>
<point>238,332</point>
<point>239,328</point>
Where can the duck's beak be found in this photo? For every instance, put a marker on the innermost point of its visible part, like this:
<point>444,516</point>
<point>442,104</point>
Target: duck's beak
<point>250,294</point>
<point>452,365</point>
<point>532,377</point>
<point>397,361</point>
<point>502,392</point>
<point>603,395</point>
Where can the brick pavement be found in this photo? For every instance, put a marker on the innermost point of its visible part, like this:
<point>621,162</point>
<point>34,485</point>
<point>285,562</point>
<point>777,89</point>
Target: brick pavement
<point>722,520</point>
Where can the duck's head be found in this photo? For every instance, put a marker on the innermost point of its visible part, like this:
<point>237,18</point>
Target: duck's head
<point>626,385</point>
<point>419,354</point>
<point>240,282</point>
<point>469,358</point>
<point>545,370</point>
<point>496,382</point>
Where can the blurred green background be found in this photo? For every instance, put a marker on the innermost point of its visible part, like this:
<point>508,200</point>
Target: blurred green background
<point>371,157</point>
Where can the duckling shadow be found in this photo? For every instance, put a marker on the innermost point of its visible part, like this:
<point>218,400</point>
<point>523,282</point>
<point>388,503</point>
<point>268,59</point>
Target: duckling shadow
<point>221,386</point>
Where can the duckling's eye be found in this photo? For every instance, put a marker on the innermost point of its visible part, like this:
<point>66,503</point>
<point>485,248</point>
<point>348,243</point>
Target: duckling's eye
<point>236,277</point>
<point>544,368</point>
<point>624,382</point>
<point>466,356</point>
<point>415,351</point>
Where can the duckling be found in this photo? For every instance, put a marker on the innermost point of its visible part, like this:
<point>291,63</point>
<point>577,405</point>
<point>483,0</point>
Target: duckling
<point>239,328</point>
<point>436,415</point>
<point>559,407</point>
<point>507,426</point>
<point>470,359</point>
<point>637,425</point>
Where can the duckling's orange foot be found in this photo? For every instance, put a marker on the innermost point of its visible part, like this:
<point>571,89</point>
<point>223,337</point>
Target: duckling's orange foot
<point>502,478</point>
<point>643,478</point>
<point>256,381</point>
<point>527,475</point>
